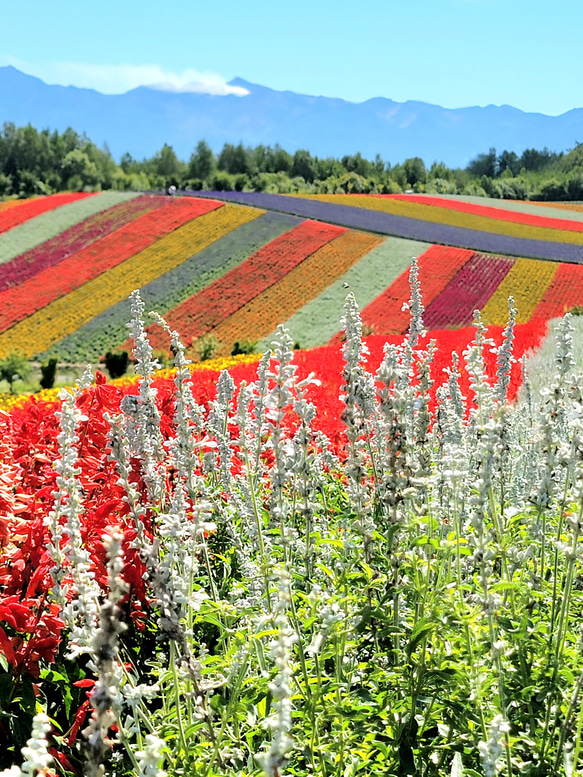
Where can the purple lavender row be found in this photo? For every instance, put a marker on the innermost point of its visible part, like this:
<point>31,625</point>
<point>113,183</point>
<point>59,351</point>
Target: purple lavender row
<point>403,226</point>
<point>75,239</point>
<point>467,291</point>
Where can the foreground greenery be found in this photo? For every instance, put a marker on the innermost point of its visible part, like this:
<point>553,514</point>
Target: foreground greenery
<point>407,602</point>
<point>33,162</point>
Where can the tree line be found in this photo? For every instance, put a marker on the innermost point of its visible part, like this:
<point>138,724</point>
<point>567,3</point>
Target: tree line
<point>34,162</point>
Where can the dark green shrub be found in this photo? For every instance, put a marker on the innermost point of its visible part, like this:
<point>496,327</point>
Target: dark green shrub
<point>116,363</point>
<point>48,372</point>
<point>243,346</point>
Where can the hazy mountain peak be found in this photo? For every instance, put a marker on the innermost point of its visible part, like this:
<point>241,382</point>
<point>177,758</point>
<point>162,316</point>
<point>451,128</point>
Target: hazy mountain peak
<point>143,119</point>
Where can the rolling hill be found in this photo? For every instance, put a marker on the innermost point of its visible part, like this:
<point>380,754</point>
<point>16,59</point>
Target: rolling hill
<point>232,266</point>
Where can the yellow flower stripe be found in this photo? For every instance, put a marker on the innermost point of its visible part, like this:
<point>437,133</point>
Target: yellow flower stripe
<point>527,281</point>
<point>10,401</point>
<point>218,364</point>
<point>47,326</point>
<point>453,218</point>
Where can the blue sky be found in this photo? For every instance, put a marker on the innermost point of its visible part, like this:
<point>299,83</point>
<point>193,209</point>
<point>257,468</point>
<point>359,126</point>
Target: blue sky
<point>454,53</point>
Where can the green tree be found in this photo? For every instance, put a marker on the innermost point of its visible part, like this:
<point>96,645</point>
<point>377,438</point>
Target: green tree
<point>167,165</point>
<point>202,162</point>
<point>78,170</point>
<point>304,166</point>
<point>12,367</point>
<point>415,170</point>
<point>484,164</point>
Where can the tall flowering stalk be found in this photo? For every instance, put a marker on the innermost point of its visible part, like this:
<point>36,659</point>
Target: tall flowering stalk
<point>74,584</point>
<point>274,759</point>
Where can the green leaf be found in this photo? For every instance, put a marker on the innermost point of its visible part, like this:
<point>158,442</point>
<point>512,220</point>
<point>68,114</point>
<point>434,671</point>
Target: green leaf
<point>422,629</point>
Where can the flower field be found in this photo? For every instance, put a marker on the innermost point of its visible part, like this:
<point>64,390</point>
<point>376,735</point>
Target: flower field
<point>468,290</point>
<point>18,211</point>
<point>235,271</point>
<point>464,216</point>
<point>62,265</point>
<point>474,209</point>
<point>39,331</point>
<point>261,315</point>
<point>437,267</point>
<point>204,311</point>
<point>53,222</point>
<point>527,283</point>
<point>171,289</point>
<point>541,244</point>
<point>194,579</point>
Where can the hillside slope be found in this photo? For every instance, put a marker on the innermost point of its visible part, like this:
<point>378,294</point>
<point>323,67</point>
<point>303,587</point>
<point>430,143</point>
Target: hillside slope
<point>226,273</point>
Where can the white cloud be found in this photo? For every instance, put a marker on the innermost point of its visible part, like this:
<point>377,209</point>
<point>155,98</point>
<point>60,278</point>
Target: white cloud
<point>117,79</point>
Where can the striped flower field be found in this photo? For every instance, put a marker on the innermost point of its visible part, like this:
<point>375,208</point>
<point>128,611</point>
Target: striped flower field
<point>233,265</point>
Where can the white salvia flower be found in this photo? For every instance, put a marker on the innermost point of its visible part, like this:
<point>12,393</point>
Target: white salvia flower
<point>149,758</point>
<point>491,750</point>
<point>106,698</point>
<point>416,328</point>
<point>281,722</point>
<point>79,601</point>
<point>13,771</point>
<point>143,414</point>
<point>360,417</point>
<point>35,752</point>
<point>504,358</point>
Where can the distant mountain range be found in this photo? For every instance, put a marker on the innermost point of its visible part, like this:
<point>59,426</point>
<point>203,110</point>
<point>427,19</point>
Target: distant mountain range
<point>143,119</point>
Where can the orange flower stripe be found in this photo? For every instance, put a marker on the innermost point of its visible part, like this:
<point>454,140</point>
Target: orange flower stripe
<point>564,292</point>
<point>527,282</point>
<point>561,205</point>
<point>54,282</point>
<point>281,300</point>
<point>202,312</point>
<point>10,204</point>
<point>473,208</point>
<point>453,218</point>
<point>437,266</point>
<point>62,317</point>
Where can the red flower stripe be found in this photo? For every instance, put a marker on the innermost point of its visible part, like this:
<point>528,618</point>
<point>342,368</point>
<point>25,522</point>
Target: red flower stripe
<point>199,314</point>
<point>75,239</point>
<point>564,292</point>
<point>437,266</point>
<point>484,210</point>
<point>28,209</point>
<point>261,315</point>
<point>104,254</point>
<point>467,291</point>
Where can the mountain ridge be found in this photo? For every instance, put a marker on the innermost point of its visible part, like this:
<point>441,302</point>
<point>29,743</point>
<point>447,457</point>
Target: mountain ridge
<point>143,119</point>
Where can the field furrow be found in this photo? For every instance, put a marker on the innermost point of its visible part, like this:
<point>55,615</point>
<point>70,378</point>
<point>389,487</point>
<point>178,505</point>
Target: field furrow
<point>41,228</point>
<point>304,282</point>
<point>72,271</point>
<point>467,291</point>
<point>526,282</point>
<point>317,321</point>
<point>74,240</point>
<point>564,293</point>
<point>109,328</point>
<point>27,209</point>
<point>205,310</point>
<point>40,331</point>
<point>437,266</point>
